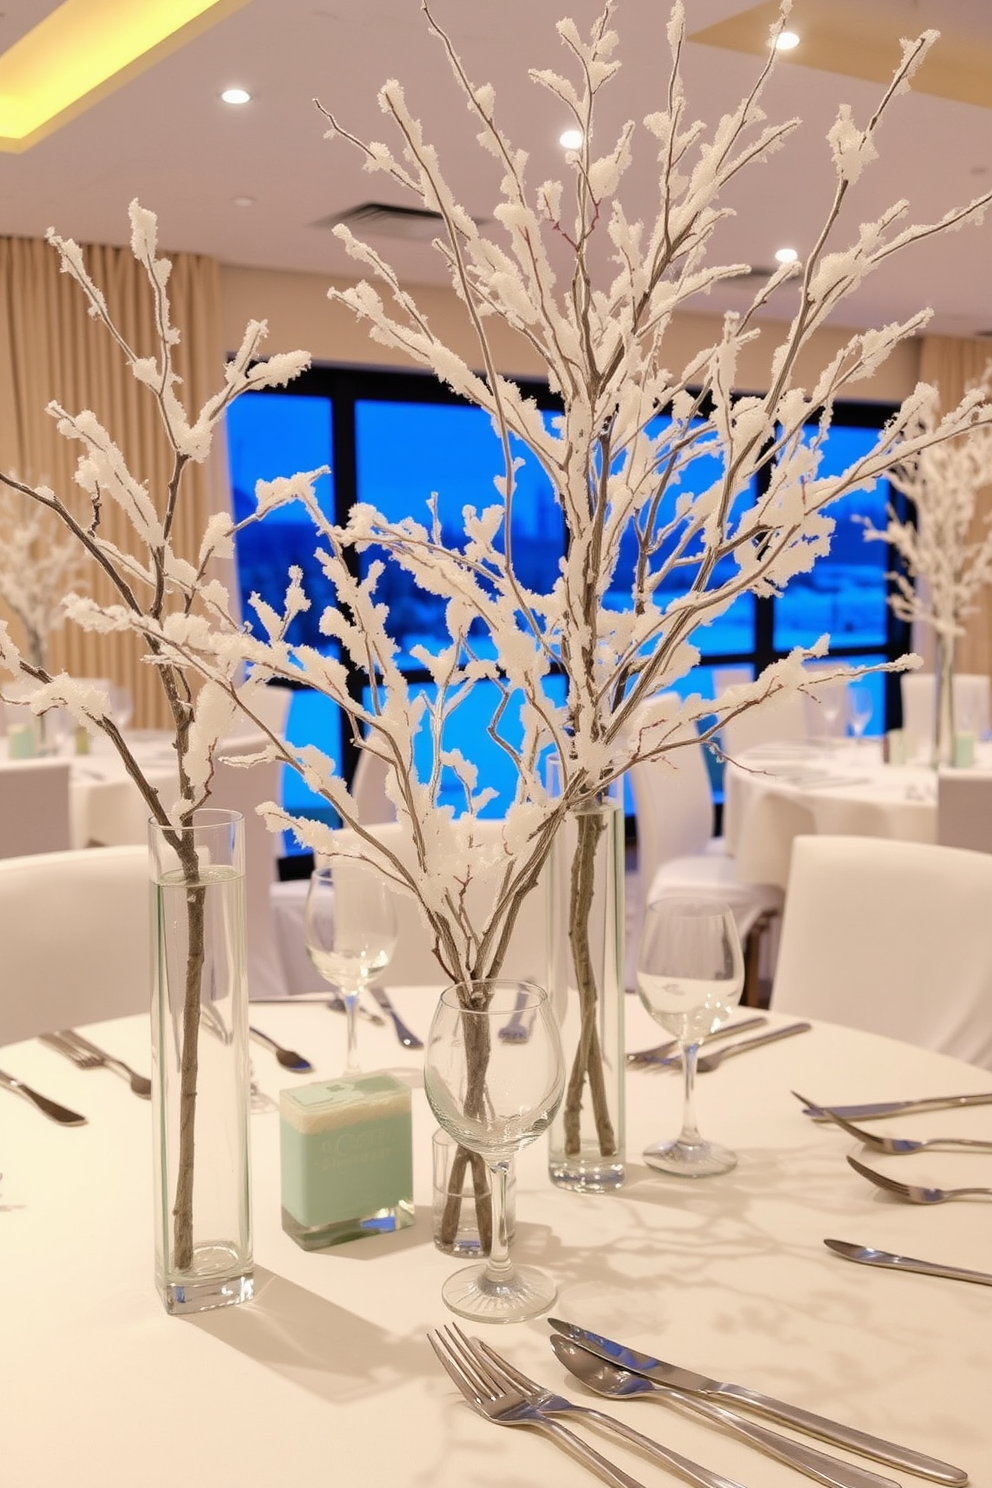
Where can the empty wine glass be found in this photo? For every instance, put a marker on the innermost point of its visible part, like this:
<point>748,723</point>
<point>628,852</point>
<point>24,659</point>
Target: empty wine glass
<point>349,929</point>
<point>122,706</point>
<point>858,709</point>
<point>690,973</point>
<point>494,1096</point>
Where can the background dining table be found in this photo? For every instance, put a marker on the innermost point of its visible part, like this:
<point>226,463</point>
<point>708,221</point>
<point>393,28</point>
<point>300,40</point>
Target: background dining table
<point>779,791</point>
<point>327,1376</point>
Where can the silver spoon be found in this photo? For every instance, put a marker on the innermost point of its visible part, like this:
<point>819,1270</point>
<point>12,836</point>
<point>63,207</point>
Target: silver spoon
<point>618,1384</point>
<point>288,1058</point>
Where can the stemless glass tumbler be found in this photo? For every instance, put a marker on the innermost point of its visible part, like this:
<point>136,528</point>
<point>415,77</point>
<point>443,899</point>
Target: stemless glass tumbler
<point>494,1096</point>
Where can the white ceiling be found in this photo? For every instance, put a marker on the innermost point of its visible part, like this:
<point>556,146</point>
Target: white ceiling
<point>166,138</point>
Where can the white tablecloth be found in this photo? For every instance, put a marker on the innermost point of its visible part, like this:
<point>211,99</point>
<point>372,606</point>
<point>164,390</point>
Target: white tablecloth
<point>327,1378</point>
<point>776,794</point>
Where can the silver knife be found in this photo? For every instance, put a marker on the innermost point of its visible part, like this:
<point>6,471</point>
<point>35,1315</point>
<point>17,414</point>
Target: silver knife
<point>790,1415</point>
<point>51,1108</point>
<point>662,1051</point>
<point>715,1057</point>
<point>803,1456</point>
<point>407,1039</point>
<point>868,1256</point>
<point>894,1108</point>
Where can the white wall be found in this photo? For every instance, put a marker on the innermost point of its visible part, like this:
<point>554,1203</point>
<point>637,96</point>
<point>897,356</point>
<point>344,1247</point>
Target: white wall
<point>300,315</point>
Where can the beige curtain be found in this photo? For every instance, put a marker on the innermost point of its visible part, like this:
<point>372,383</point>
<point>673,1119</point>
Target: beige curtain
<point>51,349</point>
<point>951,364</point>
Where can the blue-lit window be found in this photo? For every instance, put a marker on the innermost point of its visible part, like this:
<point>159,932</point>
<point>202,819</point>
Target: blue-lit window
<point>395,440</point>
<point>845,592</point>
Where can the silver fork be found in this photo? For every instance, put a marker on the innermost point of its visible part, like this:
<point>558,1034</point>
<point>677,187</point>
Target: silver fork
<point>87,1056</point>
<point>509,1408</point>
<point>897,1146</point>
<point>914,1192</point>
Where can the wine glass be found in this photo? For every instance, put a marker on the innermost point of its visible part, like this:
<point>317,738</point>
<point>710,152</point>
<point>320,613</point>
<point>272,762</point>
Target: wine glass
<point>690,973</point>
<point>349,929</point>
<point>495,1096</point>
<point>858,709</point>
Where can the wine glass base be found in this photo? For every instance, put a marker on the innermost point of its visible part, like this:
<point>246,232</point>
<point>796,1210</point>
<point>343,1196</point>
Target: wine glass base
<point>526,1292</point>
<point>690,1159</point>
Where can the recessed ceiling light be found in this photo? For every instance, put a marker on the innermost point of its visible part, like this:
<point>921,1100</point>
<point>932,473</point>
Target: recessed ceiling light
<point>786,255</point>
<point>236,95</point>
<point>570,139</point>
<point>82,49</point>
<point>243,201</point>
<point>786,41</point>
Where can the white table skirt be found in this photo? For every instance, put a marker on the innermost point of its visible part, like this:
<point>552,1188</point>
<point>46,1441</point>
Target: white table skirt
<point>327,1378</point>
<point>771,798</point>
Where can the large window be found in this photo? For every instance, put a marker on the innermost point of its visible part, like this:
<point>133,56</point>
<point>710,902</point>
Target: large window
<point>395,440</point>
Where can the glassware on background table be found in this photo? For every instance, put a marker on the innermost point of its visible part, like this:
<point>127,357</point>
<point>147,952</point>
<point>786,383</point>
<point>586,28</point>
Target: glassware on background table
<point>349,929</point>
<point>690,974</point>
<point>122,706</point>
<point>494,1097</point>
<point>858,709</point>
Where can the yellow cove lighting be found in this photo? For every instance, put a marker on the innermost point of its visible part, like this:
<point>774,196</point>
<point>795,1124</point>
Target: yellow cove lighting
<point>83,50</point>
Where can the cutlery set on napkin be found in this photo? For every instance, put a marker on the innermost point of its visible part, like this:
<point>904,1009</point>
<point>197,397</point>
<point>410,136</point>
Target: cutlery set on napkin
<point>501,1393</point>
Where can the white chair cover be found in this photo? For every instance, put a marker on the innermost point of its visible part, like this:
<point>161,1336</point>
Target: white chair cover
<point>891,937</point>
<point>75,938</point>
<point>271,705</point>
<point>243,790</point>
<point>964,809</point>
<point>676,851</point>
<point>413,959</point>
<point>919,699</point>
<point>368,788</point>
<point>780,718</point>
<point>34,807</point>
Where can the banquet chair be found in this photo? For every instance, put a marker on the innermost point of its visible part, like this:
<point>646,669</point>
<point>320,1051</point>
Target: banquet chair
<point>964,809</point>
<point>971,703</point>
<point>74,928</point>
<point>244,789</point>
<point>34,807</point>
<point>368,789</point>
<point>890,937</point>
<point>781,718</point>
<point>271,705</point>
<point>413,961</point>
<point>677,855</point>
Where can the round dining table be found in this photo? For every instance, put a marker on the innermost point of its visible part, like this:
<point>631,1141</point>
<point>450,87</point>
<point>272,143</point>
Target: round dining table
<point>779,791</point>
<point>327,1377</point>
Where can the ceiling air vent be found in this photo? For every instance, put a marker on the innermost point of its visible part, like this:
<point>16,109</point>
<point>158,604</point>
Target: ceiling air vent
<point>377,219</point>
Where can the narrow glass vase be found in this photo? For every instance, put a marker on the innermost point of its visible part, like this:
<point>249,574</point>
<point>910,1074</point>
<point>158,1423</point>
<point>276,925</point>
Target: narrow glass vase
<point>200,1074</point>
<point>586,984</point>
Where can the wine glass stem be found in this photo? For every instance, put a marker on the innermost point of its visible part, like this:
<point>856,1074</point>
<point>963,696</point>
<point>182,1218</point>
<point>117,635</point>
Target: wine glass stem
<point>500,1266</point>
<point>690,1131</point>
<point>352,1066</point>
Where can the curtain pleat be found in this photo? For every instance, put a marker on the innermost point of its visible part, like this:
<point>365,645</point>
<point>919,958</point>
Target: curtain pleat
<point>51,349</point>
<point>952,365</point>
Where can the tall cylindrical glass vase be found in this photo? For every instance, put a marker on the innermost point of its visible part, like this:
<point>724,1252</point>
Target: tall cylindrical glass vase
<point>942,744</point>
<point>586,983</point>
<point>200,1075</point>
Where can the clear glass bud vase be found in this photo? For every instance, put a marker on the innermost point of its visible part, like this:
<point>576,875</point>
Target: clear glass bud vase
<point>200,1074</point>
<point>585,981</point>
<point>942,743</point>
